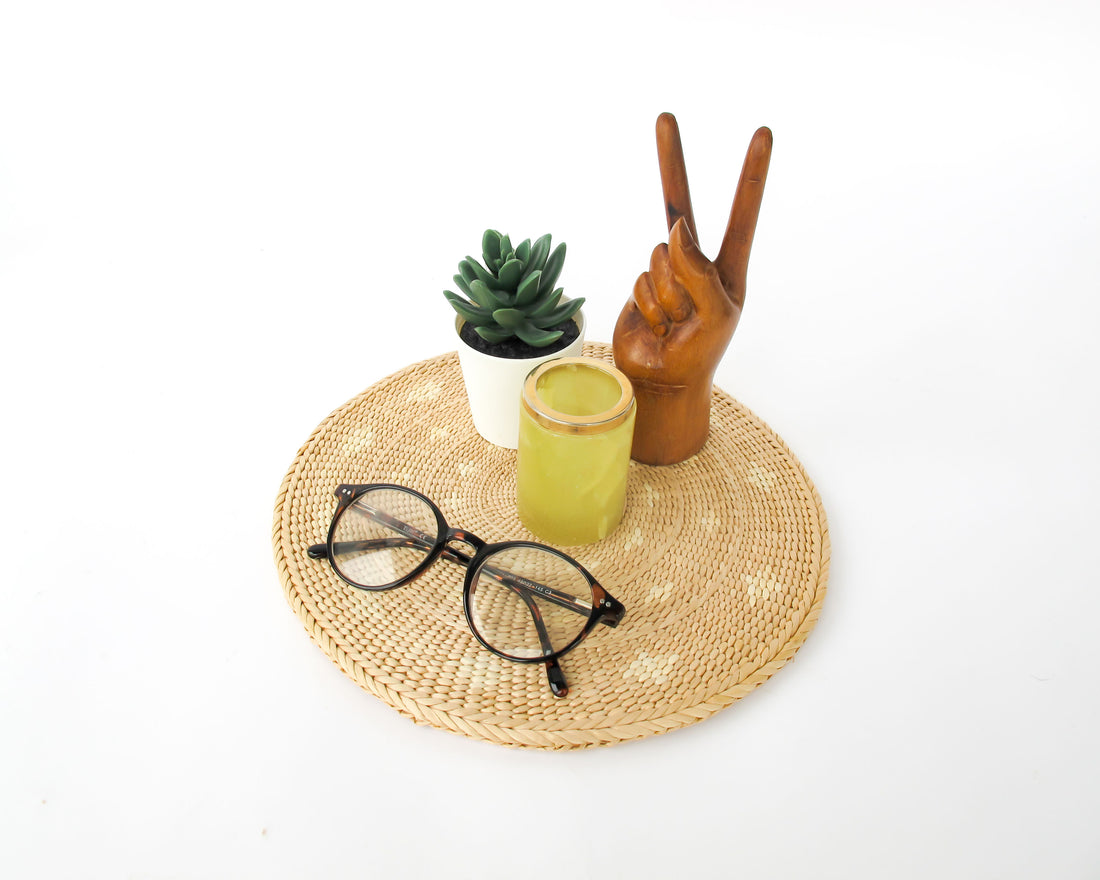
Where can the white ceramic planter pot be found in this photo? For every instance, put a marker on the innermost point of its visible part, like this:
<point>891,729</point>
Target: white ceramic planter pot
<point>494,385</point>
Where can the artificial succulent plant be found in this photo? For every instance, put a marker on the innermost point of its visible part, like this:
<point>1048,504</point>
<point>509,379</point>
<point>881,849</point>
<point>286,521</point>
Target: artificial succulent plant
<point>513,294</point>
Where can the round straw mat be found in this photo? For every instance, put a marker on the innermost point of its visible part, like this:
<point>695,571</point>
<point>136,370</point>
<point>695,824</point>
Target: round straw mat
<point>721,562</point>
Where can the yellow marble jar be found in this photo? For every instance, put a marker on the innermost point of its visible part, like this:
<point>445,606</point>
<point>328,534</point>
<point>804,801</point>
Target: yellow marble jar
<point>575,431</point>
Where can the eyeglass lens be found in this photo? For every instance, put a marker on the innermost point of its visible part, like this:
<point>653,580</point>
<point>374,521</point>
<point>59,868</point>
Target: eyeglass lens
<point>527,602</point>
<point>382,537</point>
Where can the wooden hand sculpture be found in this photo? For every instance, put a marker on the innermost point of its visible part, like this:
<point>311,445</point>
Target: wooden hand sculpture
<point>674,330</point>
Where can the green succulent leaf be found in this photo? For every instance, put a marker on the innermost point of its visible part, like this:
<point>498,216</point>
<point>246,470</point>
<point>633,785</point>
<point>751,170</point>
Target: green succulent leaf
<point>468,311</point>
<point>546,304</point>
<point>553,268</point>
<point>509,275</point>
<point>523,251</point>
<point>509,319</point>
<point>493,334</point>
<point>528,290</point>
<point>535,336</point>
<point>466,270</point>
<point>482,274</point>
<point>490,245</point>
<point>463,285</point>
<point>505,247</point>
<point>556,316</point>
<point>485,297</point>
<point>539,251</point>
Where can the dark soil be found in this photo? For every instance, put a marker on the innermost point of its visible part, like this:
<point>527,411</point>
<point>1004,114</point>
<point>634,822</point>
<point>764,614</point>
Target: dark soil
<point>517,348</point>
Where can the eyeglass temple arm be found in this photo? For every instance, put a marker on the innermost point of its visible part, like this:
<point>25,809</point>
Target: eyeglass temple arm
<point>554,674</point>
<point>320,551</point>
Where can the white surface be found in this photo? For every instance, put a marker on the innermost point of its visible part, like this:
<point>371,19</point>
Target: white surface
<point>219,221</point>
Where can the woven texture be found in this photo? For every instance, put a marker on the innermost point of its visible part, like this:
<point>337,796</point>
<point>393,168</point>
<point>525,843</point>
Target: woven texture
<point>721,562</point>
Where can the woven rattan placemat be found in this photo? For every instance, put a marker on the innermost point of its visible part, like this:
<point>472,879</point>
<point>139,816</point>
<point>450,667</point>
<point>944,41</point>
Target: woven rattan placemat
<point>721,562</point>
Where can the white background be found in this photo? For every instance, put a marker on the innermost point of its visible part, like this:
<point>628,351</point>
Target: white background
<point>221,220</point>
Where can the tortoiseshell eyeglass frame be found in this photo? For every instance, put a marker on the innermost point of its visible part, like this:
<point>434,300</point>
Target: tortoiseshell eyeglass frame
<point>605,609</point>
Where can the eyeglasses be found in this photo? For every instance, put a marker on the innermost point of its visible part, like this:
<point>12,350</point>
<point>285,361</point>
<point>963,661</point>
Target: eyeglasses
<point>523,601</point>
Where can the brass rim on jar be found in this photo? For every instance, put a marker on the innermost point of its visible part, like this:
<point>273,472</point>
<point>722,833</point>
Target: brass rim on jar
<point>567,423</point>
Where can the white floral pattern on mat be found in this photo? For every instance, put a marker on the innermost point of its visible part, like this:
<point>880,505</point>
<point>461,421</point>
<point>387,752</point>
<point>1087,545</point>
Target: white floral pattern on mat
<point>656,669</point>
<point>659,592</point>
<point>712,522</point>
<point>425,392</point>
<point>478,670</point>
<point>759,587</point>
<point>357,443</point>
<point>761,478</point>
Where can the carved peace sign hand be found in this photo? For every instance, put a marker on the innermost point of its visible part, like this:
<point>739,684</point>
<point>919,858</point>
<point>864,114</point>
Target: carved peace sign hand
<point>673,332</point>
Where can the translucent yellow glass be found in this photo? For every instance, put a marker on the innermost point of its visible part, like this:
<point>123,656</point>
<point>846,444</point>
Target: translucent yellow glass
<point>572,463</point>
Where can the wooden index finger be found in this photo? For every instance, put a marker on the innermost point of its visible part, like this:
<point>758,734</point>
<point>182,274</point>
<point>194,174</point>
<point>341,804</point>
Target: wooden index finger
<point>733,257</point>
<point>674,182</point>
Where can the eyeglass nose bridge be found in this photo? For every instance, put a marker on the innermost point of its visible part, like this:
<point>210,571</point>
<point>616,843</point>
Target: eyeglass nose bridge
<point>461,536</point>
